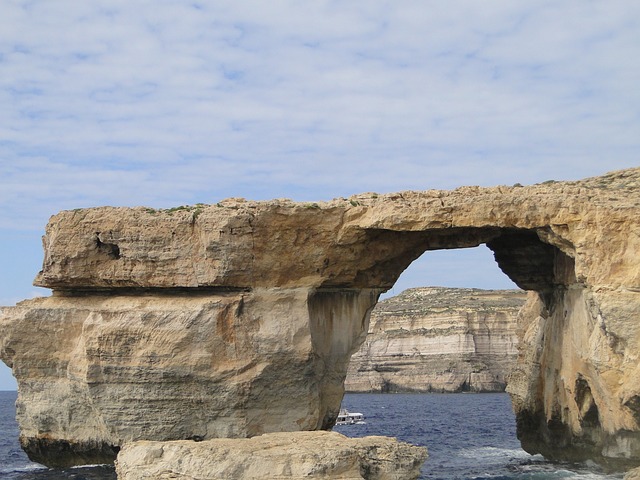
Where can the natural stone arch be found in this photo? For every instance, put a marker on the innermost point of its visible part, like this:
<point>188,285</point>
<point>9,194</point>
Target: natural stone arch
<point>239,318</point>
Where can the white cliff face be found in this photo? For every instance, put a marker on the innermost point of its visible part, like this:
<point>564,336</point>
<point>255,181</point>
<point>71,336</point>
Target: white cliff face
<point>313,455</point>
<point>439,340</point>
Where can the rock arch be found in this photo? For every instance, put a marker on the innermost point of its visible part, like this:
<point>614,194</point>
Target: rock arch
<point>239,318</point>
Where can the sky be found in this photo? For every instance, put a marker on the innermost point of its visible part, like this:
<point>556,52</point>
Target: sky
<point>164,103</point>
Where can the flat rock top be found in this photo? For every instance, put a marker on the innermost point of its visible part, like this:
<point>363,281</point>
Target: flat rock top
<point>424,300</point>
<point>364,241</point>
<point>292,455</point>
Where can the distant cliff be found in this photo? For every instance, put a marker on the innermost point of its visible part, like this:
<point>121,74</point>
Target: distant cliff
<point>439,340</point>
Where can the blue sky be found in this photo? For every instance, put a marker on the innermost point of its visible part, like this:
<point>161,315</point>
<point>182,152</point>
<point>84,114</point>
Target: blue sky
<point>164,103</point>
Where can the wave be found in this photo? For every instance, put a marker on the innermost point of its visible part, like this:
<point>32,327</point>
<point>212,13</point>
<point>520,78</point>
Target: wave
<point>520,464</point>
<point>23,469</point>
<point>39,472</point>
<point>495,452</point>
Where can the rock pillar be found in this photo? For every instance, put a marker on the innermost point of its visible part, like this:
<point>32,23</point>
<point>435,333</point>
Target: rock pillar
<point>97,371</point>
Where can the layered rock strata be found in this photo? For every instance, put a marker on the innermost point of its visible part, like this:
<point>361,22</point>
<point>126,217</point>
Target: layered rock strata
<point>321,455</point>
<point>439,340</point>
<point>102,370</point>
<point>239,318</point>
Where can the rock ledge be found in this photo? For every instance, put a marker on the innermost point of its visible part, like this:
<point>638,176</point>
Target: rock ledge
<point>327,455</point>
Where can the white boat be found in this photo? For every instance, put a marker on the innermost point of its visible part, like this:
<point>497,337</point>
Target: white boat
<point>350,418</point>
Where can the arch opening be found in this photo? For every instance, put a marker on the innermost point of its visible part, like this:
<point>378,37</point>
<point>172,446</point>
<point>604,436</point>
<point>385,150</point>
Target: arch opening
<point>475,326</point>
<point>529,261</point>
<point>532,264</point>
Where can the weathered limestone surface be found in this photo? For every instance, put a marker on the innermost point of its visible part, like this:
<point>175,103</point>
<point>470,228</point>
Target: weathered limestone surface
<point>326,455</point>
<point>238,318</point>
<point>98,371</point>
<point>633,474</point>
<point>439,339</point>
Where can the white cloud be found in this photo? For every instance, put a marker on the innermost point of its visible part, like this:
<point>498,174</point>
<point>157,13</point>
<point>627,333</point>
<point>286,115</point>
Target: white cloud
<point>164,103</point>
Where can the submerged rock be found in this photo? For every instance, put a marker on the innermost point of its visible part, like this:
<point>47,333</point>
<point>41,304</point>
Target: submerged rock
<point>321,455</point>
<point>439,340</point>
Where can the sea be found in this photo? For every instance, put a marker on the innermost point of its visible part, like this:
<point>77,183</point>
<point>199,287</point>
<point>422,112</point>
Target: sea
<point>469,436</point>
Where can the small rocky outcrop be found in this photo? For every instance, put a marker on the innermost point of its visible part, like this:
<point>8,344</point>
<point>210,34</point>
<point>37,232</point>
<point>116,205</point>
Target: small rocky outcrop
<point>321,455</point>
<point>633,474</point>
<point>239,318</point>
<point>439,340</point>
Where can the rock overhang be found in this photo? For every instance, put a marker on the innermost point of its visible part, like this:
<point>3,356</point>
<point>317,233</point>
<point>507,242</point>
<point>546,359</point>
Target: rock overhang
<point>362,242</point>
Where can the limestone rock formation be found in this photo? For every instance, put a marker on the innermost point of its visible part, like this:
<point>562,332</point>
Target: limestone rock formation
<point>321,455</point>
<point>632,474</point>
<point>239,318</point>
<point>108,369</point>
<point>439,340</point>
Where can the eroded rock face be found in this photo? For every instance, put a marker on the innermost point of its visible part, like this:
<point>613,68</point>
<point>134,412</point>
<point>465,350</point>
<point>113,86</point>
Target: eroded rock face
<point>572,390</point>
<point>239,318</point>
<point>439,340</point>
<point>322,455</point>
<point>110,369</point>
<point>633,474</point>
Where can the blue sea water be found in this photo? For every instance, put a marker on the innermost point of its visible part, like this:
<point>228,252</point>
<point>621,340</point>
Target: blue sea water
<point>469,436</point>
